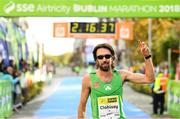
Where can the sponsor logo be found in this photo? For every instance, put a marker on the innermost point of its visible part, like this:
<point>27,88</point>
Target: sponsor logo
<point>10,6</point>
<point>111,100</point>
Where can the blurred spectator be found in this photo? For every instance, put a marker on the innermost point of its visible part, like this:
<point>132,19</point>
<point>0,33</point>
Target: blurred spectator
<point>159,93</point>
<point>21,62</point>
<point>44,72</point>
<point>37,73</point>
<point>12,64</point>
<point>177,75</point>
<point>9,75</point>
<point>17,91</point>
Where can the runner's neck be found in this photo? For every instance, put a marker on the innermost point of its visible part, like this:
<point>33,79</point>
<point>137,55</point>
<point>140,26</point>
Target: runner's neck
<point>104,76</point>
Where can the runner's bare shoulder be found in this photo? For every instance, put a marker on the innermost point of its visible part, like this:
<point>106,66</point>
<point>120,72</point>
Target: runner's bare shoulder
<point>86,80</point>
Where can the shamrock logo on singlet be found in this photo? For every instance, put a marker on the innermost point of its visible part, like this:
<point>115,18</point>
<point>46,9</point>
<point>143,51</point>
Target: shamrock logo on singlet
<point>107,87</point>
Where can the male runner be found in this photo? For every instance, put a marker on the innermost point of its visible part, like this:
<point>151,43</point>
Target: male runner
<point>105,84</point>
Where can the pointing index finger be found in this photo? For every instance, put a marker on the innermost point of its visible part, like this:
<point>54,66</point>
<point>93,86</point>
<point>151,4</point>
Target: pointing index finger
<point>140,43</point>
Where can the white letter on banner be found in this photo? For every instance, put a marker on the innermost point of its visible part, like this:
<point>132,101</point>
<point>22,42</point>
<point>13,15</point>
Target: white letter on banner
<point>41,8</point>
<point>76,8</point>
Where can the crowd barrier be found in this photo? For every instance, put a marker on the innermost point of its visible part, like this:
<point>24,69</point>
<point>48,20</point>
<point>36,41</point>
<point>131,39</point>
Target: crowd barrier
<point>34,83</point>
<point>174,98</point>
<point>5,99</point>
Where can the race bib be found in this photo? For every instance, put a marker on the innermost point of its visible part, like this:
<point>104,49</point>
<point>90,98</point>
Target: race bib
<point>108,107</point>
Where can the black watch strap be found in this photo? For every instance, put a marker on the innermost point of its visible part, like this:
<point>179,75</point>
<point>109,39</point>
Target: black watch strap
<point>147,57</point>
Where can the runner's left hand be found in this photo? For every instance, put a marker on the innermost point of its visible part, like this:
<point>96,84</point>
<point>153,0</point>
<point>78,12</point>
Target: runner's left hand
<point>144,49</point>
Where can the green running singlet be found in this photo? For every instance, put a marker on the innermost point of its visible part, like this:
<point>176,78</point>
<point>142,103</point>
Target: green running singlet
<point>106,98</point>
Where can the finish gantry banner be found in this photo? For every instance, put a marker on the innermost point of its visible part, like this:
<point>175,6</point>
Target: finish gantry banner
<point>91,8</point>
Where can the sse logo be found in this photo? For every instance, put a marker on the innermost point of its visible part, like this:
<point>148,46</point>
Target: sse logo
<point>9,7</point>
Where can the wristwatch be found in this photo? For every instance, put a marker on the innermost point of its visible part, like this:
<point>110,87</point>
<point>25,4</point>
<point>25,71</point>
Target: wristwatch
<point>147,57</point>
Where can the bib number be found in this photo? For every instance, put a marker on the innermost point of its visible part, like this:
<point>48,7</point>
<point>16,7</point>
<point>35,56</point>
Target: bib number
<point>108,107</point>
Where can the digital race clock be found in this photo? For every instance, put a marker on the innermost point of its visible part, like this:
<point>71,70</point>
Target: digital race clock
<point>84,30</point>
<point>94,28</point>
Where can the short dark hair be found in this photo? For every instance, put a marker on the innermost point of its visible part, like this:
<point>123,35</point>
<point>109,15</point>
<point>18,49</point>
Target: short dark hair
<point>103,45</point>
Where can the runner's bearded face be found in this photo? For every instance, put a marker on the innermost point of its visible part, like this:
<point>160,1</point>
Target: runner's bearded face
<point>104,59</point>
<point>105,66</point>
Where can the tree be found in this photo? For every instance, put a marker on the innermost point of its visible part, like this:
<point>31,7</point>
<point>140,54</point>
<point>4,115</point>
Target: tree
<point>162,29</point>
